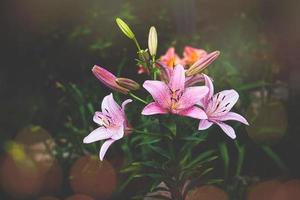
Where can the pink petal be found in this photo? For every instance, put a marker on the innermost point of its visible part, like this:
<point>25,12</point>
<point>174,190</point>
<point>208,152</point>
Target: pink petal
<point>170,59</point>
<point>111,108</point>
<point>227,129</point>
<point>154,108</point>
<point>191,96</point>
<point>108,79</point>
<point>222,103</point>
<point>170,53</point>
<point>209,84</point>
<point>194,112</point>
<point>100,133</point>
<point>233,116</point>
<point>105,147</point>
<point>177,79</point>
<point>118,132</point>
<point>189,54</point>
<point>125,103</point>
<point>98,116</point>
<point>204,124</point>
<point>165,72</point>
<point>159,91</point>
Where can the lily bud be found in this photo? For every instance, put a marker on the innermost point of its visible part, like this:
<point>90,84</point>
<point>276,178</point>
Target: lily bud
<point>152,41</point>
<point>128,83</point>
<point>108,79</point>
<point>125,28</point>
<point>202,63</point>
<point>143,55</point>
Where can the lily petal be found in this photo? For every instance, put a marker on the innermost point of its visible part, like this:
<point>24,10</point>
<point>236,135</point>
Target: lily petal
<point>177,79</point>
<point>154,108</point>
<point>170,59</point>
<point>204,124</point>
<point>125,103</point>
<point>159,91</point>
<point>191,54</point>
<point>191,96</point>
<point>233,116</point>
<point>105,147</point>
<point>222,102</point>
<point>99,117</point>
<point>227,129</point>
<point>165,72</point>
<point>118,133</point>
<point>100,133</point>
<point>111,108</point>
<point>194,112</point>
<point>209,84</point>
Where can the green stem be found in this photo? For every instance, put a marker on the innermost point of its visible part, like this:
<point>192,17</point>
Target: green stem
<point>137,98</point>
<point>153,58</point>
<point>137,44</point>
<point>154,75</point>
<point>274,157</point>
<point>225,157</point>
<point>241,158</point>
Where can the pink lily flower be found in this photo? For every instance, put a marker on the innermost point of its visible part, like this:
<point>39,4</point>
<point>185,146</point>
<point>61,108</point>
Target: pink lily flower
<point>191,54</point>
<point>217,108</point>
<point>113,124</point>
<point>170,59</point>
<point>174,97</point>
<point>108,79</point>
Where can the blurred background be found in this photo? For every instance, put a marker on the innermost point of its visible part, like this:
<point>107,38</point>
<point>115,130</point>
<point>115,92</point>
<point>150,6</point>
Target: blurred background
<point>49,47</point>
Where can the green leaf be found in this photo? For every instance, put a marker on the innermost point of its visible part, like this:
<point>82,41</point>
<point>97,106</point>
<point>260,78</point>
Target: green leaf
<point>171,126</point>
<point>125,183</point>
<point>153,141</point>
<point>152,164</point>
<point>132,167</point>
<point>201,157</point>
<point>215,181</point>
<point>160,151</point>
<point>225,157</point>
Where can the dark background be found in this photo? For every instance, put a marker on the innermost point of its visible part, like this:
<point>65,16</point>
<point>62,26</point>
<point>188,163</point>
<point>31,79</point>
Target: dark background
<point>45,42</point>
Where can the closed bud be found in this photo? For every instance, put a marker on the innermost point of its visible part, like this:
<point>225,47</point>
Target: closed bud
<point>202,63</point>
<point>143,55</point>
<point>125,28</point>
<point>108,79</point>
<point>152,41</point>
<point>128,83</point>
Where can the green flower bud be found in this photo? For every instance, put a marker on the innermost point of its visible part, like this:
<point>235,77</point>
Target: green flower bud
<point>125,28</point>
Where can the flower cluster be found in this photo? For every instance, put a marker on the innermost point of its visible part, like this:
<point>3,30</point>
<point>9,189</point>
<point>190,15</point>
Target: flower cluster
<point>178,86</point>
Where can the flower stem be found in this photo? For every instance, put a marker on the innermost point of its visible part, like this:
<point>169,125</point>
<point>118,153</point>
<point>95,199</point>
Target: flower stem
<point>137,98</point>
<point>241,157</point>
<point>154,75</point>
<point>137,44</point>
